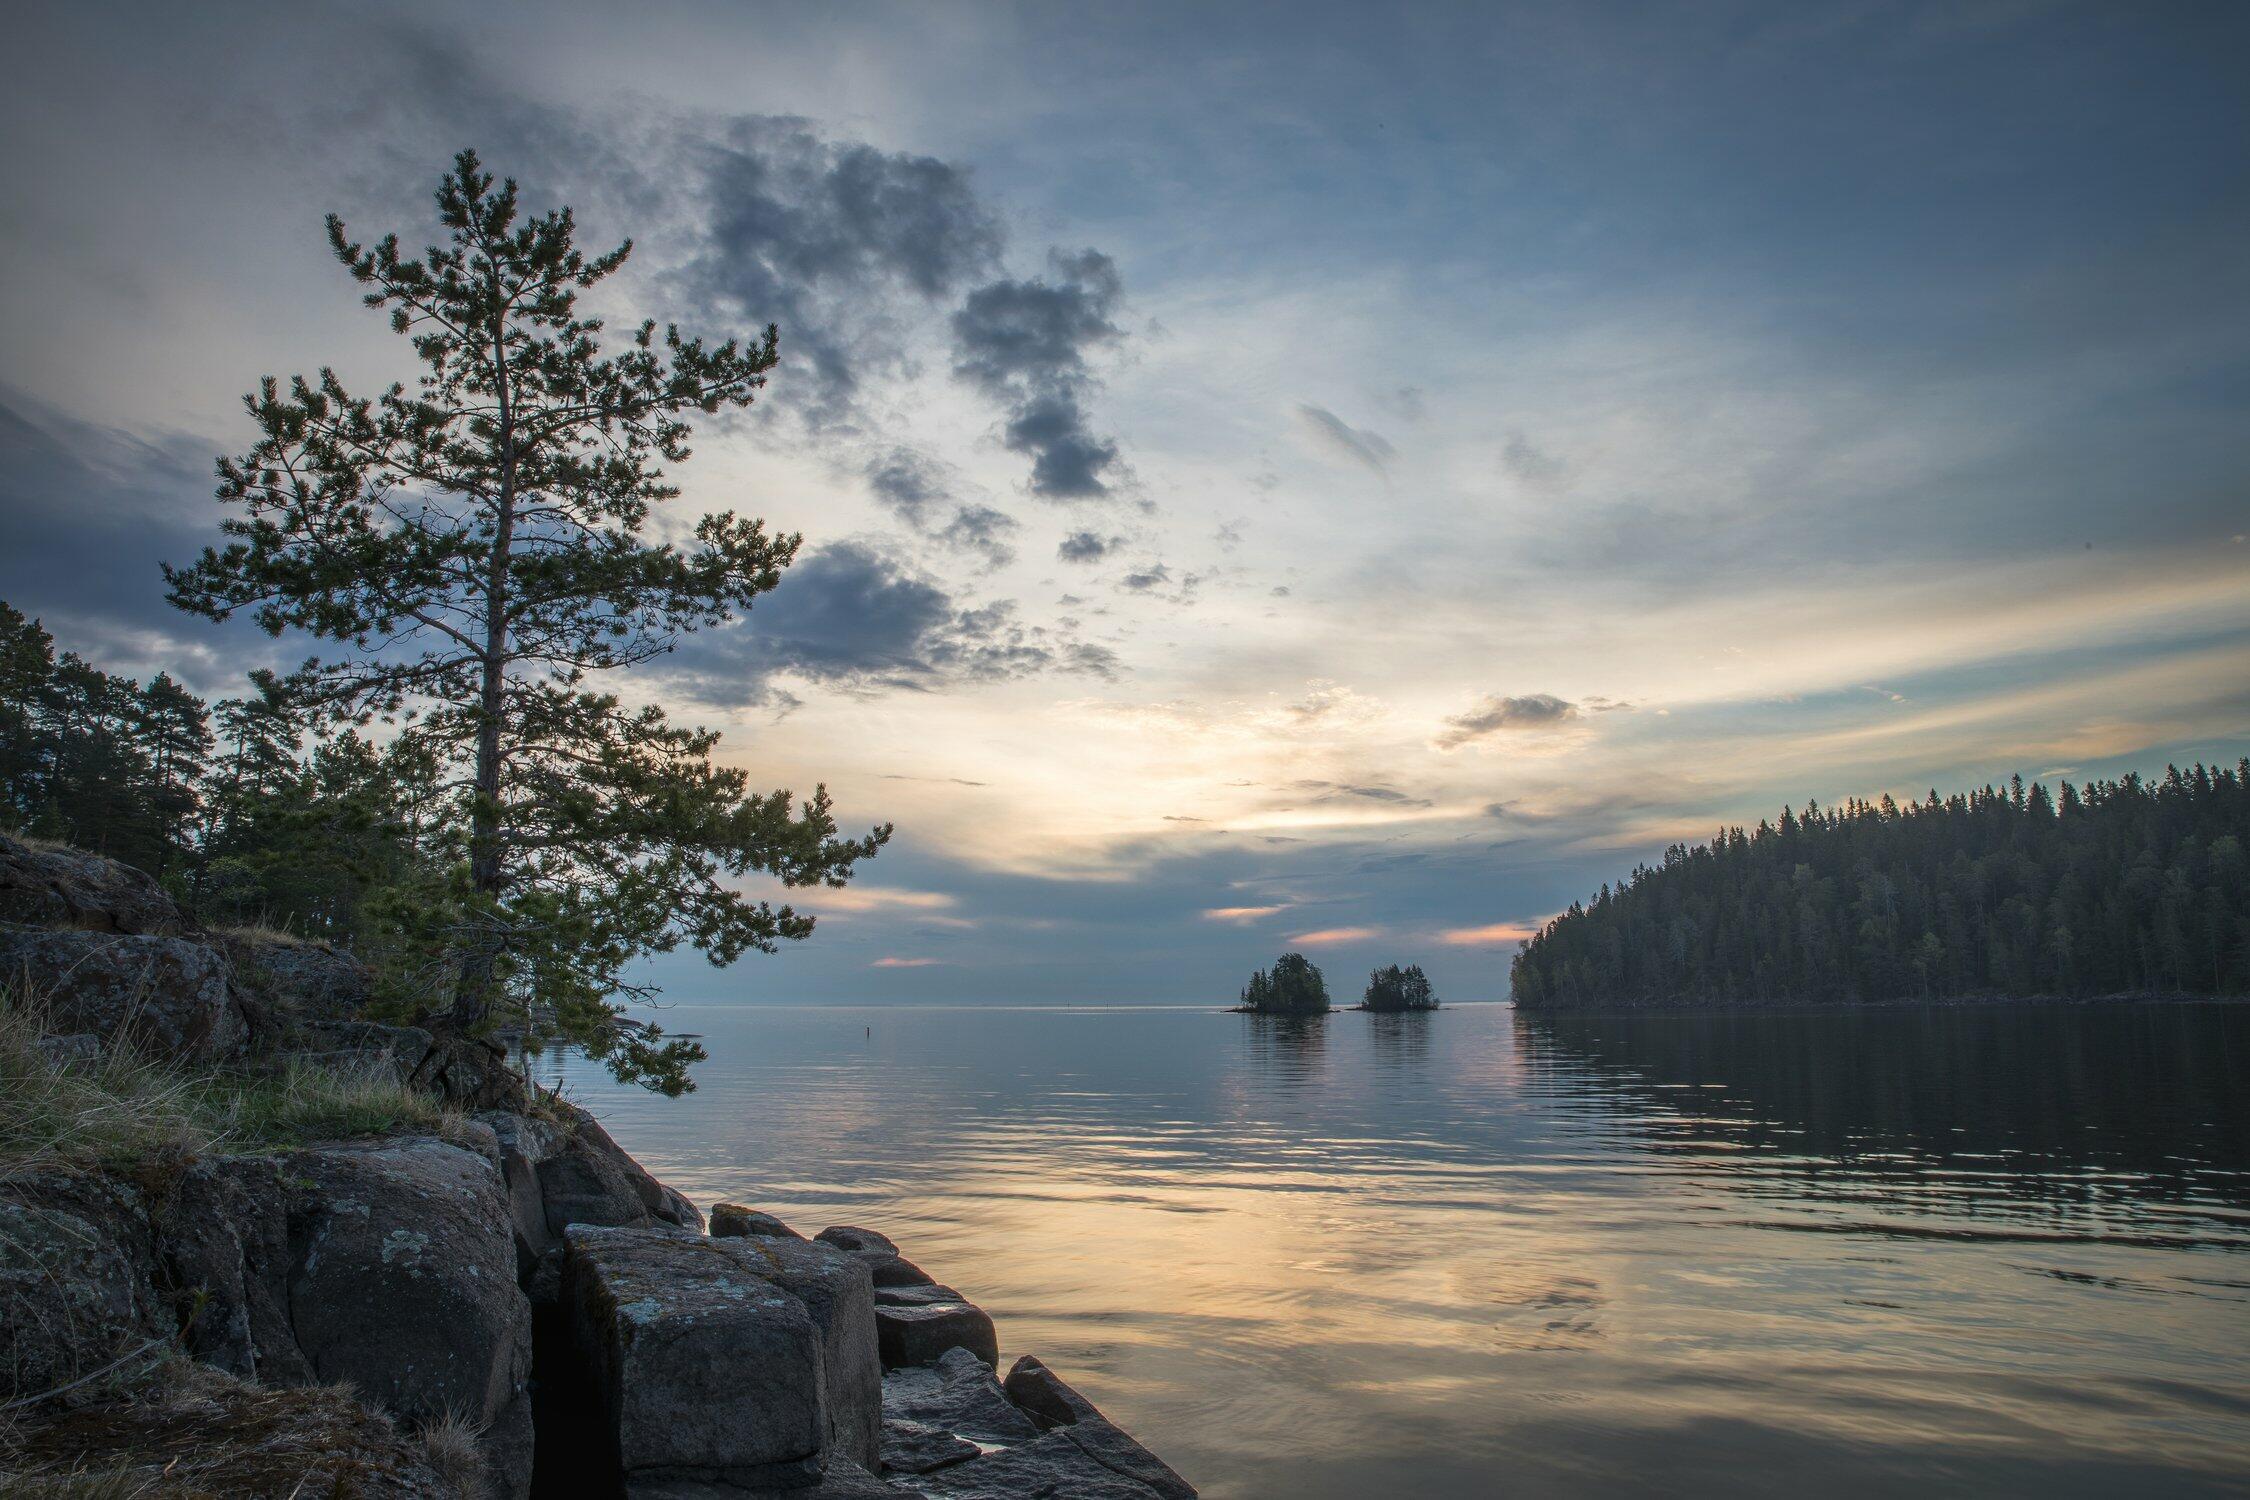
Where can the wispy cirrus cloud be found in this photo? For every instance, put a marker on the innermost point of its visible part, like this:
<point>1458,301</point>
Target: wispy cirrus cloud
<point>1328,937</point>
<point>1243,915</point>
<point>1334,436</point>
<point>1490,935</point>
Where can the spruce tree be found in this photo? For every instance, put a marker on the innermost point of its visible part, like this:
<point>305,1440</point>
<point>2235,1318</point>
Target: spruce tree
<point>475,551</point>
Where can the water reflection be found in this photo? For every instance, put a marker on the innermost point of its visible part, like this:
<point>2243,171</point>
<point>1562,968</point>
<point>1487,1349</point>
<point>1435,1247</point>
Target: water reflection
<point>1467,1253</point>
<point>2113,1116</point>
<point>1288,1049</point>
<point>1401,1039</point>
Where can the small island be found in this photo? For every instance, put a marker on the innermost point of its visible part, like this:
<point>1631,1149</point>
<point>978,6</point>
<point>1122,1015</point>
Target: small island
<point>1292,987</point>
<point>1393,989</point>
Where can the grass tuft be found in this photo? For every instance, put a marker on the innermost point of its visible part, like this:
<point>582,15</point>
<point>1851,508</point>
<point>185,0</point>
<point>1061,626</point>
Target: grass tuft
<point>452,1446</point>
<point>125,1110</point>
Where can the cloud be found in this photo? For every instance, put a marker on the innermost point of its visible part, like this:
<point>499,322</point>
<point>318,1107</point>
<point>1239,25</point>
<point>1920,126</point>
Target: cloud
<point>1332,791</point>
<point>1533,712</point>
<point>864,898</point>
<point>916,488</point>
<point>821,236</point>
<point>1360,444</point>
<point>1086,547</point>
<point>1330,936</point>
<point>1025,342</point>
<point>1494,934</point>
<point>981,529</point>
<point>1532,464</point>
<point>1241,915</point>
<point>851,617</point>
<point>87,514</point>
<point>905,963</point>
<point>1142,580</point>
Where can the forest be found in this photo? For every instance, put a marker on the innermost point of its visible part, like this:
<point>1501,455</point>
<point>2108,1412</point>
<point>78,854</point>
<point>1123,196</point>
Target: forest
<point>245,816</point>
<point>2132,886</point>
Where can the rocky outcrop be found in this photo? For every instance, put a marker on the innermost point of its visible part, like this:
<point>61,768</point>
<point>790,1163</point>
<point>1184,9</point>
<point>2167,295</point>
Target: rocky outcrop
<point>427,1274</point>
<point>311,981</point>
<point>566,1170</point>
<point>956,1395</point>
<point>732,1219</point>
<point>1047,1466</point>
<point>706,1374</point>
<point>921,1331</point>
<point>888,1267</point>
<point>165,994</point>
<point>836,1290</point>
<point>389,1265</point>
<point>43,885</point>
<point>1053,1404</point>
<point>74,1286</point>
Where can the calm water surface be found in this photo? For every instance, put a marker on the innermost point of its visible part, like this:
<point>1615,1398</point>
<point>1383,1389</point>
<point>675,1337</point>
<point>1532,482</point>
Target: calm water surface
<point>1995,1250</point>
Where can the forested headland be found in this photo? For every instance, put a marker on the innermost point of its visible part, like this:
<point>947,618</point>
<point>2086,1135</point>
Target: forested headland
<point>2131,886</point>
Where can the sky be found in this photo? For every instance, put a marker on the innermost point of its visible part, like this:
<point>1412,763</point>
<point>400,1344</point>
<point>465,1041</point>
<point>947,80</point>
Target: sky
<point>1344,478</point>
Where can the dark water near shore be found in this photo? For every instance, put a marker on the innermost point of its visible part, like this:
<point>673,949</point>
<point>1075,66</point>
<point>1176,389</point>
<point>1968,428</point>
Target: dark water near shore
<point>1992,1250</point>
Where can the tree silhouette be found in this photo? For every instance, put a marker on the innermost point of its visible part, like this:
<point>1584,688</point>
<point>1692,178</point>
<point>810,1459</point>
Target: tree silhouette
<point>473,549</point>
<point>1293,986</point>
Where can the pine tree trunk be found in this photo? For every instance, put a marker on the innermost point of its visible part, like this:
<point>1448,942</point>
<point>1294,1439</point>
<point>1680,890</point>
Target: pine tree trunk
<point>472,996</point>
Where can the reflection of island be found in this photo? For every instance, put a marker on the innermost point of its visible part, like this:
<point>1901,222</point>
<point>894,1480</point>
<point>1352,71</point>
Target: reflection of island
<point>2092,1108</point>
<point>1290,1048</point>
<point>1400,1038</point>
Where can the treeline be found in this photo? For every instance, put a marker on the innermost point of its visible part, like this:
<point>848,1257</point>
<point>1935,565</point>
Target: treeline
<point>2125,886</point>
<point>242,815</point>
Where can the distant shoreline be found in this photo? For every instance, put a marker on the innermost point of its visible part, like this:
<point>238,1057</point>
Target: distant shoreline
<point>1699,1007</point>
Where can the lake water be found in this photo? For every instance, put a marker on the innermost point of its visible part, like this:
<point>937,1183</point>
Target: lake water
<point>1993,1250</point>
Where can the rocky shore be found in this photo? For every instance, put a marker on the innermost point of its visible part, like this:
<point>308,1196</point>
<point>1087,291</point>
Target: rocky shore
<point>387,1270</point>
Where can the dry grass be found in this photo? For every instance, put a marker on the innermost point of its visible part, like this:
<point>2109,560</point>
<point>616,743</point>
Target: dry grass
<point>452,1448</point>
<point>127,1110</point>
<point>260,932</point>
<point>190,1431</point>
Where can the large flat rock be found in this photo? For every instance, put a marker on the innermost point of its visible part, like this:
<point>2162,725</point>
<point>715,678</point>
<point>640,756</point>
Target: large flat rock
<point>835,1289</point>
<point>1047,1468</point>
<point>706,1373</point>
<point>958,1395</point>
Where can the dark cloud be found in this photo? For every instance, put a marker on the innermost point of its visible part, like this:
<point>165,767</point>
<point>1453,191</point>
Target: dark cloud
<point>851,618</point>
<point>821,236</point>
<point>1336,791</point>
<point>1086,547</point>
<point>1144,580</point>
<point>88,513</point>
<point>909,484</point>
<point>1360,444</point>
<point>1494,715</point>
<point>1025,342</point>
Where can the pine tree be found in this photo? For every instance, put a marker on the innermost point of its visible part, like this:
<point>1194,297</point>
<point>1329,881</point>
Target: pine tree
<point>474,550</point>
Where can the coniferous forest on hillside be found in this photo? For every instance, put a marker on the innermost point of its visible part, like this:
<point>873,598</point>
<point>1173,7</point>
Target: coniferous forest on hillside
<point>2132,886</point>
